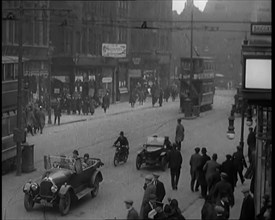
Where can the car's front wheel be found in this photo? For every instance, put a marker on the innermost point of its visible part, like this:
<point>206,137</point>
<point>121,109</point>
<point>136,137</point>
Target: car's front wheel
<point>28,202</point>
<point>94,192</point>
<point>65,203</point>
<point>138,162</point>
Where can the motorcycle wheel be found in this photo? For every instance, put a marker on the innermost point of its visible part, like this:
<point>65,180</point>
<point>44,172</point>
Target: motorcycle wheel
<point>116,161</point>
<point>125,158</point>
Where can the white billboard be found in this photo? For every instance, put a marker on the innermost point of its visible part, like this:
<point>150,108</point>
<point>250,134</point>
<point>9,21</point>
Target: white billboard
<point>258,74</point>
<point>114,50</point>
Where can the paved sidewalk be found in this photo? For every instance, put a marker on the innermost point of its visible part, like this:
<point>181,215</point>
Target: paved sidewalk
<point>114,109</point>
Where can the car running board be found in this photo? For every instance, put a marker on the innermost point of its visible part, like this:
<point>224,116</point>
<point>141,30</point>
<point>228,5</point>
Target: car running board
<point>84,192</point>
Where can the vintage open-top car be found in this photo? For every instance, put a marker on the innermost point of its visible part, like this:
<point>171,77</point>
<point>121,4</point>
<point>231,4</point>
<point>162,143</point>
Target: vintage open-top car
<point>65,179</point>
<point>154,152</point>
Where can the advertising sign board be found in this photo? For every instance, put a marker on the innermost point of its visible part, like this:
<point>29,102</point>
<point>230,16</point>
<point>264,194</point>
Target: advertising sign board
<point>114,50</point>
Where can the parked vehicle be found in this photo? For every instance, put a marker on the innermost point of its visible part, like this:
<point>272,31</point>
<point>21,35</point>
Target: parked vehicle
<point>63,181</point>
<point>154,153</point>
<point>121,154</point>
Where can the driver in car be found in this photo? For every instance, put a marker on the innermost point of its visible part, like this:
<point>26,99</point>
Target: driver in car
<point>122,140</point>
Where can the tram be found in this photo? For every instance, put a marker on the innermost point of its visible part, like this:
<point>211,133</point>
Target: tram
<point>199,85</point>
<point>9,110</point>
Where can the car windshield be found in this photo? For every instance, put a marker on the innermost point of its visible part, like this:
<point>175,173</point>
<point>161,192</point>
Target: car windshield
<point>58,162</point>
<point>155,141</point>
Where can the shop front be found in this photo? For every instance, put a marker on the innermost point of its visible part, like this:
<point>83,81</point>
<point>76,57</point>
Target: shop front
<point>256,90</point>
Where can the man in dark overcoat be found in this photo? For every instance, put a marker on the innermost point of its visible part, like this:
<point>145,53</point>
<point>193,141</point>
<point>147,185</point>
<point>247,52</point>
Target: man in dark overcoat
<point>251,142</point>
<point>228,168</point>
<point>174,163</point>
<point>202,180</point>
<point>160,189</point>
<point>194,163</point>
<point>149,189</point>
<point>179,134</point>
<point>105,102</point>
<point>57,113</point>
<point>248,209</point>
<point>225,187</point>
<point>239,163</point>
<point>41,119</point>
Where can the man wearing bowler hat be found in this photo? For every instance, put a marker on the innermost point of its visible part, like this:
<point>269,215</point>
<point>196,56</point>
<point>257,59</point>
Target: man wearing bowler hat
<point>160,190</point>
<point>132,213</point>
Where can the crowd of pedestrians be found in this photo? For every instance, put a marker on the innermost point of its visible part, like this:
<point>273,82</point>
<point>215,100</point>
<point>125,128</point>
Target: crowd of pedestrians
<point>217,182</point>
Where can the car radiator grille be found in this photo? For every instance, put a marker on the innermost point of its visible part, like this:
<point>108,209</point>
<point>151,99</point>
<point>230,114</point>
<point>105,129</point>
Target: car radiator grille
<point>45,188</point>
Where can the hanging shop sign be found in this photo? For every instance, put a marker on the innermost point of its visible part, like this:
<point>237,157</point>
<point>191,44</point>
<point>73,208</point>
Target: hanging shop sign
<point>114,50</point>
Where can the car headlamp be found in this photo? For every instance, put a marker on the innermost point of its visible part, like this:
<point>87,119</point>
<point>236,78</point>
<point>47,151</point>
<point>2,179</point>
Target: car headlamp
<point>34,186</point>
<point>54,188</point>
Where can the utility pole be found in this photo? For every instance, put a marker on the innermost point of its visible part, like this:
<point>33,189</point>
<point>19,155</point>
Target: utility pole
<point>19,92</point>
<point>191,50</point>
<point>50,83</point>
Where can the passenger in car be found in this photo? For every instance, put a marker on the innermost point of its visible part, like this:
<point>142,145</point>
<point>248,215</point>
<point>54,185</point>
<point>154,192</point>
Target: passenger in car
<point>86,162</point>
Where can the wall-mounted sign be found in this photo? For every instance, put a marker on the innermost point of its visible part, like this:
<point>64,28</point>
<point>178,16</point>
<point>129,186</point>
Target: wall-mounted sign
<point>114,50</point>
<point>107,79</point>
<point>136,60</point>
<point>261,28</point>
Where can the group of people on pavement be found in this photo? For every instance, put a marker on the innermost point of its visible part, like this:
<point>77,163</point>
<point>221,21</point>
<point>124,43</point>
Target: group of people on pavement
<point>152,206</point>
<point>33,119</point>
<point>77,105</point>
<point>217,182</point>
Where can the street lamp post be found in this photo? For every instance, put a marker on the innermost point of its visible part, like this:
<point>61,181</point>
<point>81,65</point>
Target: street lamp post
<point>50,83</point>
<point>19,95</point>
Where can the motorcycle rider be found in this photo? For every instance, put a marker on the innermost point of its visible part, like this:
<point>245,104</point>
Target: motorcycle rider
<point>123,142</point>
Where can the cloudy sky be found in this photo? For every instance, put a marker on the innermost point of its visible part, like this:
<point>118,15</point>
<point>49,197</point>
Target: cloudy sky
<point>178,5</point>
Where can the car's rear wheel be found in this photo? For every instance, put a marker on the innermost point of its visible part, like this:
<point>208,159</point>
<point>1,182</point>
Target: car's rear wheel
<point>94,192</point>
<point>138,162</point>
<point>163,163</point>
<point>65,203</point>
<point>28,202</point>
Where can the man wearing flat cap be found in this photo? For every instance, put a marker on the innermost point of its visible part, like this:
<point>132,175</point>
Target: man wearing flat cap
<point>149,190</point>
<point>248,209</point>
<point>194,163</point>
<point>160,190</point>
<point>223,187</point>
<point>132,213</point>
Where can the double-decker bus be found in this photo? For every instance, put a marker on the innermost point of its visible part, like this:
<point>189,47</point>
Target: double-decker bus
<point>9,110</point>
<point>198,85</point>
